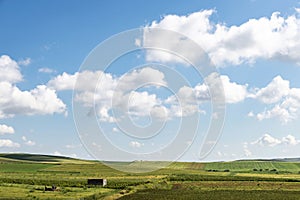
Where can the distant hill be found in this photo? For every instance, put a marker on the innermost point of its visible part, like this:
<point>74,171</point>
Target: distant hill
<point>274,160</point>
<point>25,157</point>
<point>61,163</point>
<point>287,159</point>
<point>38,158</point>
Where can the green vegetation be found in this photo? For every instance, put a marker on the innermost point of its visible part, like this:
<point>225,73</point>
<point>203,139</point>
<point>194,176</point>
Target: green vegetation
<point>216,194</point>
<point>24,176</point>
<point>249,166</point>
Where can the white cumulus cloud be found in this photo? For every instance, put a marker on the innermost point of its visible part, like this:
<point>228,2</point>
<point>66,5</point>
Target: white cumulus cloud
<point>190,98</point>
<point>283,101</point>
<point>290,140</point>
<point>106,90</point>
<point>135,144</point>
<point>4,129</point>
<point>28,142</point>
<point>103,89</point>
<point>246,149</point>
<point>8,143</point>
<point>274,91</point>
<point>46,70</point>
<point>274,37</point>
<point>40,100</point>
<point>9,70</point>
<point>25,62</point>
<point>268,140</point>
<point>234,92</point>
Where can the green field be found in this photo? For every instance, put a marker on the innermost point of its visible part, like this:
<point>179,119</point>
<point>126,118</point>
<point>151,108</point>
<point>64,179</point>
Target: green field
<point>24,176</point>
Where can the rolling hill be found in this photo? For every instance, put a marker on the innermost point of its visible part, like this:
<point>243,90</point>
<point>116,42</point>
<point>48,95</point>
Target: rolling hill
<point>282,164</point>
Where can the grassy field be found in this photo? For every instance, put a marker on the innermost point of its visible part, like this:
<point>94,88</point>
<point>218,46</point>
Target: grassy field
<point>24,176</point>
<point>249,166</point>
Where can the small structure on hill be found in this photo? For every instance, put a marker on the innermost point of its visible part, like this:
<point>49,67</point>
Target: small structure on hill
<point>97,182</point>
<point>53,188</point>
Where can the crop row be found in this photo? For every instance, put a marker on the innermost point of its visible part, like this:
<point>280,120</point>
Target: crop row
<point>196,177</point>
<point>113,184</point>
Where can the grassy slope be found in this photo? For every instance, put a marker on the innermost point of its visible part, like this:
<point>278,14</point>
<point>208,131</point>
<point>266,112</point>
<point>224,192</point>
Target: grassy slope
<point>218,194</point>
<point>59,164</point>
<point>37,158</point>
<point>247,166</point>
<point>26,174</point>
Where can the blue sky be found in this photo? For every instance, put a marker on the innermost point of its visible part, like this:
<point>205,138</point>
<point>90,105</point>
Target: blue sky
<point>254,44</point>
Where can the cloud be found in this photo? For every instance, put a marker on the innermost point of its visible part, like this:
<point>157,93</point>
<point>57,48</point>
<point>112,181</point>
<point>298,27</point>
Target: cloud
<point>104,81</point>
<point>9,70</point>
<point>277,111</point>
<point>246,149</point>
<point>63,82</point>
<point>8,143</point>
<point>191,98</point>
<point>283,101</point>
<point>273,37</point>
<point>116,130</point>
<point>194,25</point>
<point>141,103</point>
<point>57,153</point>
<point>28,142</point>
<point>137,42</point>
<point>139,77</point>
<point>228,91</point>
<point>234,92</point>
<point>107,91</point>
<point>186,102</point>
<point>290,140</point>
<point>25,62</point>
<point>104,116</point>
<point>251,114</point>
<point>73,146</point>
<point>101,88</point>
<point>4,129</point>
<point>40,100</point>
<point>47,70</point>
<point>274,91</point>
<point>247,152</point>
<point>120,92</point>
<point>88,81</point>
<point>135,144</point>
<point>268,140</point>
<point>71,155</point>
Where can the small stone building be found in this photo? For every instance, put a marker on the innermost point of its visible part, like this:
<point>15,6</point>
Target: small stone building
<point>97,182</point>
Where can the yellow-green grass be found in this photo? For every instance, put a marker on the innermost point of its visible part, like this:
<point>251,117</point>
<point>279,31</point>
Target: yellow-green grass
<point>285,176</point>
<point>159,194</point>
<point>248,166</point>
<point>24,176</point>
<point>23,191</point>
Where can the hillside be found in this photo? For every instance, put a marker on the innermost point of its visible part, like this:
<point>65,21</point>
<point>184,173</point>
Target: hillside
<point>38,158</point>
<point>282,164</point>
<point>274,159</point>
<point>26,176</point>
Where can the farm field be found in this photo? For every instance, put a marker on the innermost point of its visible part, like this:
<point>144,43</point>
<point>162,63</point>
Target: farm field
<point>24,176</point>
